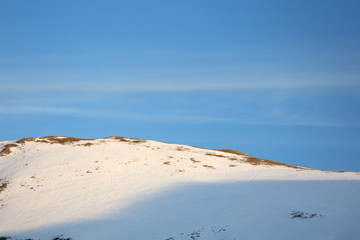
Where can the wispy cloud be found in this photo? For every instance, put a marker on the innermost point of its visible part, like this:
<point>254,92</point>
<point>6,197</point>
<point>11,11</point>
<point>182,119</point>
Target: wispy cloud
<point>109,114</point>
<point>168,86</point>
<point>273,119</point>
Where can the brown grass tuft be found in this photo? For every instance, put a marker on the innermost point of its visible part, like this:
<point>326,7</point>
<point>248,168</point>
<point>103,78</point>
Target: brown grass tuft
<point>137,140</point>
<point>166,163</point>
<point>215,155</point>
<point>194,160</point>
<point>208,166</point>
<point>129,140</point>
<point>7,149</point>
<point>256,161</point>
<point>259,161</point>
<point>63,140</point>
<point>232,151</point>
<point>24,140</point>
<point>181,149</point>
<point>3,186</point>
<point>52,140</point>
<point>87,144</point>
<point>121,139</point>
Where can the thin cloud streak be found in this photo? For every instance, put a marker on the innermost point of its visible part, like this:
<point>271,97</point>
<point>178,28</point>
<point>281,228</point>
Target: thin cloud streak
<point>109,114</point>
<point>174,87</point>
<point>283,120</point>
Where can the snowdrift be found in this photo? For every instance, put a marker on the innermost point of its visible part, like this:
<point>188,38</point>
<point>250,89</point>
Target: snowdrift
<point>125,188</point>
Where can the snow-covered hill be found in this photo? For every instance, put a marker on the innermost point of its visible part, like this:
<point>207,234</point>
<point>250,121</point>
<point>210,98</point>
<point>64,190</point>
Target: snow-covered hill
<point>121,188</point>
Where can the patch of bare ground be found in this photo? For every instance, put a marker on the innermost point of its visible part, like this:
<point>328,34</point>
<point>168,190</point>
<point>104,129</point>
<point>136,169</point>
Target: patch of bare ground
<point>63,140</point>
<point>257,161</point>
<point>214,155</point>
<point>181,149</point>
<point>3,185</point>
<point>126,139</point>
<point>194,160</point>
<point>87,144</point>
<point>24,140</point>
<point>208,166</point>
<point>8,149</point>
<point>233,152</point>
<point>52,140</point>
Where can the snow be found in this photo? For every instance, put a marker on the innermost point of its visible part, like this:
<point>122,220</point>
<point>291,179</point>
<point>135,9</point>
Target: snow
<point>124,189</point>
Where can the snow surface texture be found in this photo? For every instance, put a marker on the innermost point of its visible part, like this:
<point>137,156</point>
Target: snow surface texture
<point>122,188</point>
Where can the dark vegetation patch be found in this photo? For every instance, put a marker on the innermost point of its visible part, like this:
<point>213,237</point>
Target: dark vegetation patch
<point>60,238</point>
<point>195,235</point>
<point>54,238</point>
<point>8,149</point>
<point>194,160</point>
<point>3,186</point>
<point>63,140</point>
<point>166,163</point>
<point>87,144</point>
<point>303,215</point>
<point>233,152</point>
<point>52,140</point>
<point>334,171</point>
<point>217,232</point>
<point>24,140</point>
<point>208,166</point>
<point>215,155</point>
<point>257,161</point>
<point>181,149</point>
<point>120,139</point>
<point>137,140</point>
<point>126,139</point>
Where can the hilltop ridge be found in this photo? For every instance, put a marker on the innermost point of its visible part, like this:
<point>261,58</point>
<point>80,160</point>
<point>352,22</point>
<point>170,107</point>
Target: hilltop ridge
<point>122,188</point>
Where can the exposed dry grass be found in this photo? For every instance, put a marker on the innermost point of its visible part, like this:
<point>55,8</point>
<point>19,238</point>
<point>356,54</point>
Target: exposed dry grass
<point>24,140</point>
<point>215,155</point>
<point>167,163</point>
<point>194,160</point>
<point>208,166</point>
<point>137,140</point>
<point>120,139</point>
<point>8,149</point>
<point>52,140</point>
<point>87,144</point>
<point>129,140</point>
<point>256,161</point>
<point>334,171</point>
<point>3,185</point>
<point>259,161</point>
<point>63,140</point>
<point>181,149</point>
<point>233,152</point>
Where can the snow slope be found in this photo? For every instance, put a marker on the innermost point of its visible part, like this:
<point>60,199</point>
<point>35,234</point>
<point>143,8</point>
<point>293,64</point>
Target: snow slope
<point>122,188</point>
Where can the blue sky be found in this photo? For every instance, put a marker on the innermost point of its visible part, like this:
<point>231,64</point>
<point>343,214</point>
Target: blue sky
<point>275,79</point>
